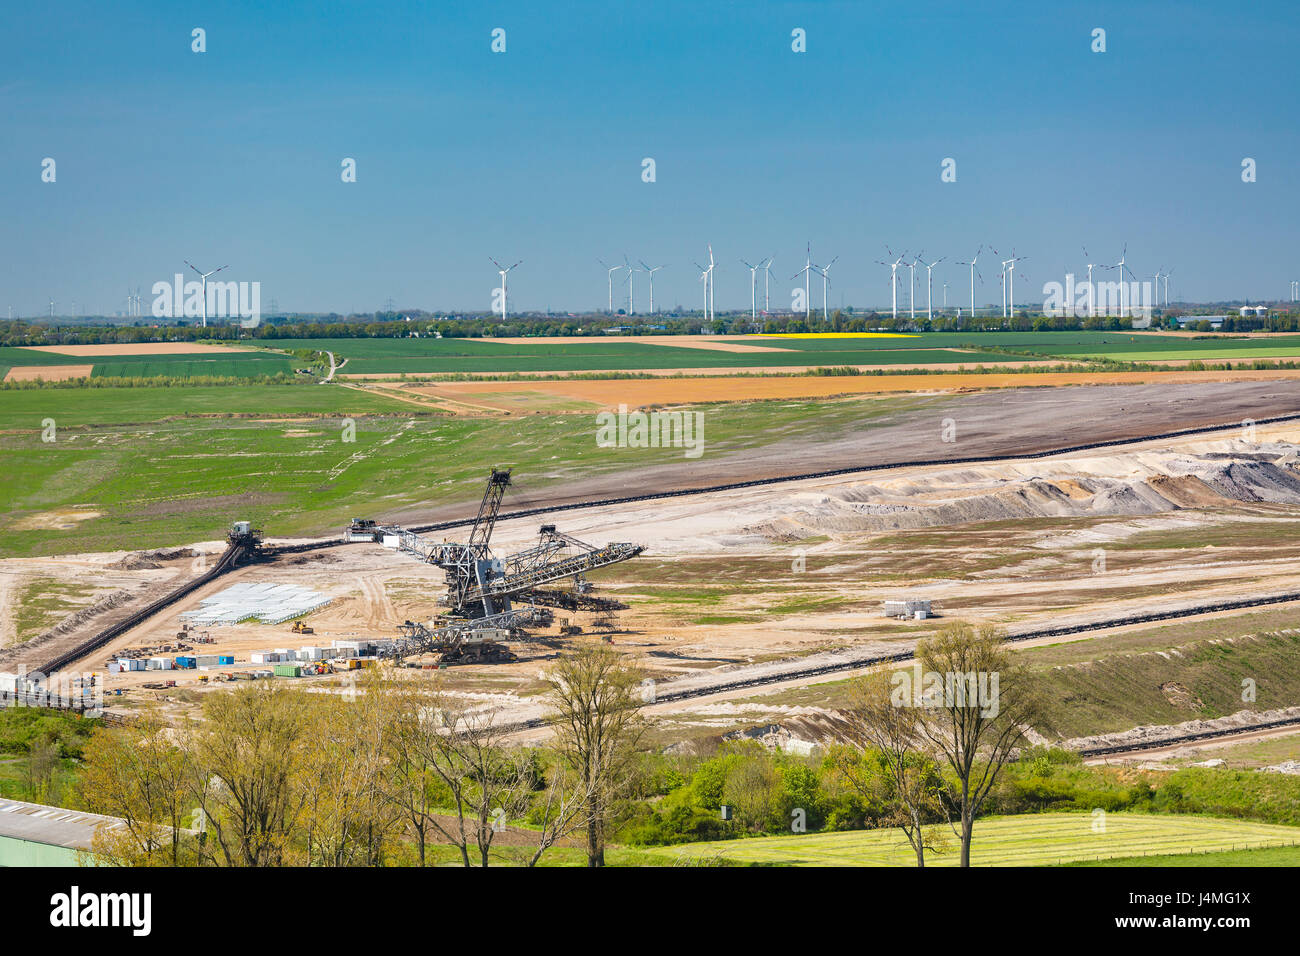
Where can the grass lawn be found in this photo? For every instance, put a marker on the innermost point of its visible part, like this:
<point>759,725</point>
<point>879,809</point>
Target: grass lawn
<point>1271,856</point>
<point>1028,840</point>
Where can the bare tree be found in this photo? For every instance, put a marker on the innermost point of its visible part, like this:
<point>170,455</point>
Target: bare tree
<point>598,731</point>
<point>974,705</point>
<point>889,762</point>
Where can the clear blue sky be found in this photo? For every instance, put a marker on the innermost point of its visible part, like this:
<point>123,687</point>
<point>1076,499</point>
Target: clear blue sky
<point>233,155</point>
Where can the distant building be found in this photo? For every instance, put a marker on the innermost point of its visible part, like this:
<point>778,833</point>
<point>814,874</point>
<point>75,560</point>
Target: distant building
<point>1215,320</point>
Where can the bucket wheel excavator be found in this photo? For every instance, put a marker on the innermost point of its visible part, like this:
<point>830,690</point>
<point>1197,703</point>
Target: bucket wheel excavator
<point>490,599</point>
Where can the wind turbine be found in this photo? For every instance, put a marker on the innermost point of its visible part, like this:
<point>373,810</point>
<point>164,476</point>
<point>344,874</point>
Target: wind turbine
<point>806,271</point>
<point>826,272</point>
<point>610,277</point>
<point>767,278</point>
<point>929,286</point>
<point>1092,296</point>
<point>505,309</point>
<point>1011,286</point>
<point>753,287</point>
<point>204,277</point>
<point>1122,269</point>
<point>712,284</point>
<point>911,295</point>
<point>631,300</point>
<point>893,277</point>
<point>704,277</point>
<point>651,273</point>
<point>973,260</point>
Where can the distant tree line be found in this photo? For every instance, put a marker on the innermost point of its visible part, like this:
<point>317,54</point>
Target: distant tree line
<point>402,325</point>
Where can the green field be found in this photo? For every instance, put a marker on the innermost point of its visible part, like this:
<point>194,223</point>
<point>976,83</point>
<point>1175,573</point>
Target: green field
<point>1027,840</point>
<point>1270,856</point>
<point>450,355</point>
<point>226,365</point>
<point>138,468</point>
<point>243,364</point>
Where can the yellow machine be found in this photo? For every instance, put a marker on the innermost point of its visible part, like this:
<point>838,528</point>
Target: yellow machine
<point>300,628</point>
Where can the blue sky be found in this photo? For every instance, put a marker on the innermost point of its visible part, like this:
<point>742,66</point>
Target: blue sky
<point>233,156</point>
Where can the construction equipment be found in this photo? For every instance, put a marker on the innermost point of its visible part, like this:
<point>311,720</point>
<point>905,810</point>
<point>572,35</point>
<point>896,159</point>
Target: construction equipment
<point>300,628</point>
<point>490,598</point>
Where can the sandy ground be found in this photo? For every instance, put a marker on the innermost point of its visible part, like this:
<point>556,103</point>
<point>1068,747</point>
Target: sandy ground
<point>374,589</point>
<point>50,373</point>
<point>139,348</point>
<point>1006,421</point>
<point>638,393</point>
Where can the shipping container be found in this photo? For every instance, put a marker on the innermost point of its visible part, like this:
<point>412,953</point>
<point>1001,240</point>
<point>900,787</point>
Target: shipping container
<point>225,659</point>
<point>287,670</point>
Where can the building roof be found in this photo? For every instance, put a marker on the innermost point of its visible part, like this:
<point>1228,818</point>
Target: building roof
<point>55,826</point>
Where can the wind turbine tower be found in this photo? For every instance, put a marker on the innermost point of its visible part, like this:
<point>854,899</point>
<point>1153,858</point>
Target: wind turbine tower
<point>610,277</point>
<point>973,260</point>
<point>929,286</point>
<point>826,281</point>
<point>893,279</point>
<point>505,301</point>
<point>651,273</point>
<point>204,277</point>
<point>806,271</point>
<point>753,287</point>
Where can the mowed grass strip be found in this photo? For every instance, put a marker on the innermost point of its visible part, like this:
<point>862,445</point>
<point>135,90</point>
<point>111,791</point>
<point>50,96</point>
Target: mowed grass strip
<point>1029,840</point>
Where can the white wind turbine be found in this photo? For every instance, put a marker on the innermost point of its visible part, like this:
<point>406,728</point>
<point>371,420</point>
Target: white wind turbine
<point>893,277</point>
<point>1011,285</point>
<point>505,308</point>
<point>1122,269</point>
<point>631,299</point>
<point>826,281</point>
<point>806,271</point>
<point>651,273</point>
<point>1092,297</point>
<point>929,286</point>
<point>204,277</point>
<point>704,277</point>
<point>911,295</point>
<point>973,260</point>
<point>753,287</point>
<point>767,278</point>
<point>712,284</point>
<point>610,278</point>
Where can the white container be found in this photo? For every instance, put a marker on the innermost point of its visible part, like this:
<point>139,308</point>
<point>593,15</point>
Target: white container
<point>264,657</point>
<point>392,541</point>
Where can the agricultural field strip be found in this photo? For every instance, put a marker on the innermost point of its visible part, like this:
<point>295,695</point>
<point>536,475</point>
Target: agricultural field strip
<point>1029,839</point>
